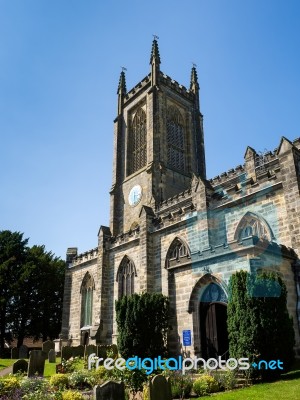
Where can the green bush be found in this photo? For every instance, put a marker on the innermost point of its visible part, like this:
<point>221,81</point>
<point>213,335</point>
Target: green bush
<point>133,379</point>
<point>70,395</point>
<point>181,385</point>
<point>227,380</point>
<point>146,392</point>
<point>142,325</point>
<point>59,380</point>
<point>34,384</point>
<point>81,379</point>
<point>205,384</point>
<point>100,375</point>
<point>73,364</point>
<point>8,385</point>
<point>259,326</point>
<point>40,395</point>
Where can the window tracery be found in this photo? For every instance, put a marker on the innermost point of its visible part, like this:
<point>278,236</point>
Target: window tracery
<point>87,289</point>
<point>125,277</point>
<point>175,139</point>
<point>178,253</point>
<point>252,225</point>
<point>137,148</point>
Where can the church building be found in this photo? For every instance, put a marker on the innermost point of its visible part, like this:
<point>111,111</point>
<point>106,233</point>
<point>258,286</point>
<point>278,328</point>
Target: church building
<point>174,231</point>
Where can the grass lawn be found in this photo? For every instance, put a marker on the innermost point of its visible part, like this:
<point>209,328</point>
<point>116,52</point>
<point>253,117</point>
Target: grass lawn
<point>288,388</point>
<point>6,362</point>
<point>50,369</point>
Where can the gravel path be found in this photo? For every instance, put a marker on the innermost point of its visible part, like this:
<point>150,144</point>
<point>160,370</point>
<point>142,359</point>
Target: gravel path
<point>6,371</point>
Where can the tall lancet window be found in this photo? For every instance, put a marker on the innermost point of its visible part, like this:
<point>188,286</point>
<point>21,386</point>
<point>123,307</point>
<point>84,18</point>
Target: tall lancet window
<point>137,144</point>
<point>125,277</point>
<point>87,290</point>
<point>175,139</point>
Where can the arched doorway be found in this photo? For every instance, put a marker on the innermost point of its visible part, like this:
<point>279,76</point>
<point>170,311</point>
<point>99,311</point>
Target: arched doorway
<point>213,322</point>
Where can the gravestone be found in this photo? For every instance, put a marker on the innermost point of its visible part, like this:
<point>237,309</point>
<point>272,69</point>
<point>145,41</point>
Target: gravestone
<point>66,352</point>
<point>14,353</point>
<point>102,351</point>
<point>52,356</point>
<point>110,391</point>
<point>90,349</point>
<point>59,369</point>
<point>47,346</point>
<point>160,388</point>
<point>23,351</point>
<point>36,363</point>
<point>78,351</point>
<point>114,349</point>
<point>20,366</point>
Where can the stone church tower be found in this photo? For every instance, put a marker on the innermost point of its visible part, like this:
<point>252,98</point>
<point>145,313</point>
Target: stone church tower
<point>173,231</point>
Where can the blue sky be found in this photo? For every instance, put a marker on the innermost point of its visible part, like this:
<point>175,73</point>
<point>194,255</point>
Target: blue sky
<point>59,68</point>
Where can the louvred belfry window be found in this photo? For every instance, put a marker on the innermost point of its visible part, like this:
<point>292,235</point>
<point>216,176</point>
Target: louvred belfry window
<point>137,148</point>
<point>175,139</point>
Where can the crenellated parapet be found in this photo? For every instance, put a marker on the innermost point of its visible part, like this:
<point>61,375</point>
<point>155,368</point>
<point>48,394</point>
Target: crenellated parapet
<point>85,257</point>
<point>123,238</point>
<point>177,87</point>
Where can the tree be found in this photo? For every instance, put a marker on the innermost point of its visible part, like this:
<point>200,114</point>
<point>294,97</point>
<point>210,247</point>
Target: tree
<point>37,303</point>
<point>142,325</point>
<point>12,256</point>
<point>31,289</point>
<point>259,326</point>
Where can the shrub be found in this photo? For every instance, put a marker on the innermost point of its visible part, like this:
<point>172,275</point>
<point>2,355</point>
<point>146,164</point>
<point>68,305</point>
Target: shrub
<point>72,364</point>
<point>142,325</point>
<point>226,380</point>
<point>133,379</point>
<point>34,384</point>
<point>70,395</point>
<point>259,326</point>
<point>100,375</point>
<point>146,392</point>
<point>8,385</point>
<point>181,385</point>
<point>42,396</point>
<point>81,379</point>
<point>205,384</point>
<point>16,394</point>
<point>59,380</point>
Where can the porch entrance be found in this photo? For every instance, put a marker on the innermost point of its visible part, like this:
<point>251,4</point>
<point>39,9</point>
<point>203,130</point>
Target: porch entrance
<point>213,322</point>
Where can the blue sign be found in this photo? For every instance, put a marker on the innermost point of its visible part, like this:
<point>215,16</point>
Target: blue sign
<point>187,338</point>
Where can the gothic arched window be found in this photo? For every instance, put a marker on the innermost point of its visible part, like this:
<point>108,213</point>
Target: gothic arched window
<point>175,139</point>
<point>177,254</point>
<point>252,225</point>
<point>87,289</point>
<point>125,277</point>
<point>137,145</point>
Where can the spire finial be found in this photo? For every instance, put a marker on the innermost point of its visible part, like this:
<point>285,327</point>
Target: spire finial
<point>122,82</point>
<point>194,78</point>
<point>194,85</point>
<point>155,57</point>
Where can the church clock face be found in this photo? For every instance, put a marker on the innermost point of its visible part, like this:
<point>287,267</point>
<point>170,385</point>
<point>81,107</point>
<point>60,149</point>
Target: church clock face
<point>135,195</point>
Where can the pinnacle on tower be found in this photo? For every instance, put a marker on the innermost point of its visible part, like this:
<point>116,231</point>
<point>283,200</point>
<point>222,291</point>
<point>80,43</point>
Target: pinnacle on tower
<point>121,91</point>
<point>194,79</point>
<point>155,62</point>
<point>155,57</point>
<point>194,86</point>
<point>122,84</point>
